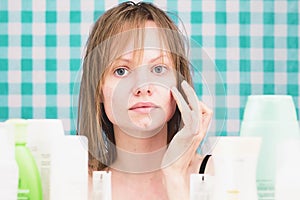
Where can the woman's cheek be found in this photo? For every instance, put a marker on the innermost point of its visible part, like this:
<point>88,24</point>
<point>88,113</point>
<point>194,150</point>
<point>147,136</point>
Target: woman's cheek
<point>170,107</point>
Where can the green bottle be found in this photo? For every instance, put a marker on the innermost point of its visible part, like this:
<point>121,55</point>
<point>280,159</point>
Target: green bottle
<point>30,186</point>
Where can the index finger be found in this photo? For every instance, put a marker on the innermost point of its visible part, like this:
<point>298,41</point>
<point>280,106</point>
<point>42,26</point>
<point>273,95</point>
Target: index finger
<point>182,105</point>
<point>191,96</point>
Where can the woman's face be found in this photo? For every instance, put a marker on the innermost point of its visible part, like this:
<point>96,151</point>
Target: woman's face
<point>136,88</point>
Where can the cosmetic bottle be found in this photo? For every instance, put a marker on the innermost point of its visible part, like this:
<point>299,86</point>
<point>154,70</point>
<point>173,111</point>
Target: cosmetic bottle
<point>69,169</point>
<point>42,135</point>
<point>29,185</point>
<point>274,119</point>
<point>235,161</point>
<point>8,167</point>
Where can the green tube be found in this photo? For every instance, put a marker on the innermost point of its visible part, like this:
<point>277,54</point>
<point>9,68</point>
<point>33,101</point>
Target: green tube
<point>30,186</point>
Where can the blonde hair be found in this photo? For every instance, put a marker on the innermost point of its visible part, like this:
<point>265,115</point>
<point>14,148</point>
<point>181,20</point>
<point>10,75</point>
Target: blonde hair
<point>100,52</point>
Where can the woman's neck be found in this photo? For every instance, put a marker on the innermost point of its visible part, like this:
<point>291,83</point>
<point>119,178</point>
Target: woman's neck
<point>138,186</point>
<point>139,155</point>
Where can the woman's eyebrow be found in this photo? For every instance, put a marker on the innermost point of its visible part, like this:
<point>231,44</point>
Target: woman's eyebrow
<point>123,59</point>
<point>163,55</point>
<point>129,60</point>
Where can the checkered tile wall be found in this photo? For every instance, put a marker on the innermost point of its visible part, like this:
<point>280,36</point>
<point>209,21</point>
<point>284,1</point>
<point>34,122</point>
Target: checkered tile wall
<point>254,45</point>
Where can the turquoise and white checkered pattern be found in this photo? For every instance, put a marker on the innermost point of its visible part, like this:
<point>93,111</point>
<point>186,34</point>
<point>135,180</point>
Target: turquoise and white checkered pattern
<point>255,45</point>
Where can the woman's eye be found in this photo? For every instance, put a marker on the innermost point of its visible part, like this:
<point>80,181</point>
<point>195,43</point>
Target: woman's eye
<point>121,72</point>
<point>159,69</point>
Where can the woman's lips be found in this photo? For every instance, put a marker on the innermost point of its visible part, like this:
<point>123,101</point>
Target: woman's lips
<point>143,107</point>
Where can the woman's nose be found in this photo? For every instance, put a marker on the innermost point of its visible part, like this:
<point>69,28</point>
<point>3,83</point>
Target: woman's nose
<point>144,90</point>
<point>142,81</point>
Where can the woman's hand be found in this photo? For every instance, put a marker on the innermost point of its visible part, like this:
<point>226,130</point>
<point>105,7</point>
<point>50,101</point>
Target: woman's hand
<point>181,158</point>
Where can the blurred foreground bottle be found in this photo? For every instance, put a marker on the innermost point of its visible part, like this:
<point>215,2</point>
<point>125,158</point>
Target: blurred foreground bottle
<point>69,169</point>
<point>287,173</point>
<point>8,166</point>
<point>272,117</point>
<point>43,135</point>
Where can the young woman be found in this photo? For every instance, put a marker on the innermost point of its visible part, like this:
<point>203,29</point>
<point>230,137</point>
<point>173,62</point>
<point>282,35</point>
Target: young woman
<point>137,107</point>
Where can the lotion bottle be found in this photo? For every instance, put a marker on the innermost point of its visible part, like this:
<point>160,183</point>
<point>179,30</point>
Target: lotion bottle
<point>30,186</point>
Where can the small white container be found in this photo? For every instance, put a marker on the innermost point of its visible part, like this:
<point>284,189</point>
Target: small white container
<point>69,169</point>
<point>8,167</point>
<point>102,185</point>
<point>201,187</point>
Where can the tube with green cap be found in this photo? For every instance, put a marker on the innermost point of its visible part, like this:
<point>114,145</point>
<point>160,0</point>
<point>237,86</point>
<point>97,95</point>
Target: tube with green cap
<point>30,186</point>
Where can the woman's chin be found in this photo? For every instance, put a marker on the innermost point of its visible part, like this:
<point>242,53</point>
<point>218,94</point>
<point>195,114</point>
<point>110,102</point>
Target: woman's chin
<point>144,128</point>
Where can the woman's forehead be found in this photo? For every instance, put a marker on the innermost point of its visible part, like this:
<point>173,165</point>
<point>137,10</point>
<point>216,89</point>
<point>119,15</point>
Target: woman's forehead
<point>142,44</point>
<point>150,41</point>
<point>148,38</point>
